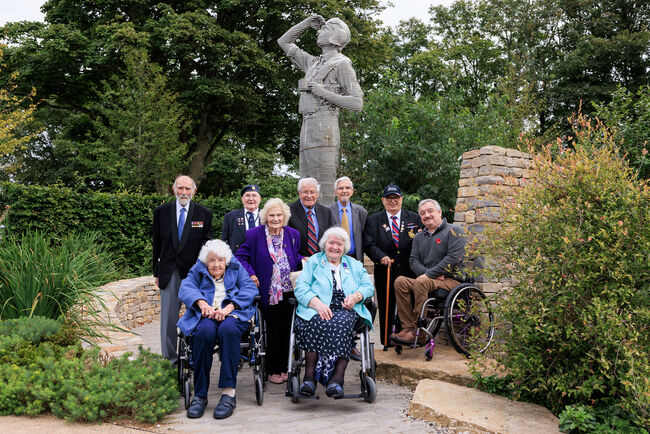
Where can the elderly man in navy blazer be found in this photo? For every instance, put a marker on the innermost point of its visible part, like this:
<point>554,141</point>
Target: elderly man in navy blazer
<point>237,222</point>
<point>308,217</point>
<point>344,211</point>
<point>180,228</point>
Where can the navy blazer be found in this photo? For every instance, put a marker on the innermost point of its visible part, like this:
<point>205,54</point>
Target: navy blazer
<point>255,257</point>
<point>298,221</point>
<point>234,228</point>
<point>168,253</point>
<point>240,290</point>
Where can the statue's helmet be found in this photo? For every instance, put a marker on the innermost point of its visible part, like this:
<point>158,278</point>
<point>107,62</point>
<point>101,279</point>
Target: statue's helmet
<point>341,33</point>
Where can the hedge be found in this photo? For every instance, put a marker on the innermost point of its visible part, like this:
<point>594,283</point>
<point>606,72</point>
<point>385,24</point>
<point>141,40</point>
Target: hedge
<point>122,220</point>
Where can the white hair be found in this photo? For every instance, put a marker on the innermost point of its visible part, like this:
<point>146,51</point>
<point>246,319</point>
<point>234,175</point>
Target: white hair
<point>434,202</point>
<point>181,176</point>
<point>336,231</point>
<point>304,181</point>
<point>342,178</point>
<point>219,248</point>
<point>275,202</point>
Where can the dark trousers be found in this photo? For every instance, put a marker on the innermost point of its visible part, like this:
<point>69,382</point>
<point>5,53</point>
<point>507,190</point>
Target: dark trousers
<point>278,328</point>
<point>204,338</point>
<point>380,292</point>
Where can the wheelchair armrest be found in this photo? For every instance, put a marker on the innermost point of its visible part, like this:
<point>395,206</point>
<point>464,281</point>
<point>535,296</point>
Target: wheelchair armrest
<point>372,307</point>
<point>257,298</point>
<point>293,301</point>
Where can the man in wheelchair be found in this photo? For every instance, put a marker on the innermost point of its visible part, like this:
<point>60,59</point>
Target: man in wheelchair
<point>436,260</point>
<point>219,295</point>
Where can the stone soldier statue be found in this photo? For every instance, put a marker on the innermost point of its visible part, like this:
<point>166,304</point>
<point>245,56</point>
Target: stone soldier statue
<point>330,83</point>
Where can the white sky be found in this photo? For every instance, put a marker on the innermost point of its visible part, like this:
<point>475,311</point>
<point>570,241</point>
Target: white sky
<point>19,10</point>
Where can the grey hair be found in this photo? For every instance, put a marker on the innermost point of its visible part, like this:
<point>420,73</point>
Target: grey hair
<point>342,178</point>
<point>308,180</point>
<point>219,248</point>
<point>275,202</point>
<point>337,231</point>
<point>180,176</point>
<point>434,202</point>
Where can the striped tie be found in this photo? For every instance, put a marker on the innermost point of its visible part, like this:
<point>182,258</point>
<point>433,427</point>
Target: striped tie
<point>312,242</point>
<point>395,230</point>
<point>181,223</point>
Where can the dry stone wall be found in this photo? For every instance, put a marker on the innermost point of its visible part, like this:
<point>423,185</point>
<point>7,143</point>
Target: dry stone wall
<point>488,177</point>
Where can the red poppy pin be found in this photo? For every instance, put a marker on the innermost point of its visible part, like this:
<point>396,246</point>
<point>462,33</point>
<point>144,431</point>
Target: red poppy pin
<point>438,240</point>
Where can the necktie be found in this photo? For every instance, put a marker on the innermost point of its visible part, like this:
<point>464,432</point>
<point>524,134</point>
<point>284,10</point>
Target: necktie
<point>345,224</point>
<point>395,230</point>
<point>312,239</point>
<point>181,223</point>
<point>251,220</point>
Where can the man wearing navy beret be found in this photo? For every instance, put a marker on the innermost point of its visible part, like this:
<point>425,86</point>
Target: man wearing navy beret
<point>237,222</point>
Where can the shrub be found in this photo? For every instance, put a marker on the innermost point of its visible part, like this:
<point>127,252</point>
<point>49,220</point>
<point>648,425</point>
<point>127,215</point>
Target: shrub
<point>80,386</point>
<point>33,329</point>
<point>39,277</point>
<point>575,246</point>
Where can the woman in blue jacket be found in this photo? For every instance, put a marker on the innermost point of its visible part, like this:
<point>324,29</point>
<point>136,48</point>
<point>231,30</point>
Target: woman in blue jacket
<point>330,293</point>
<point>218,295</point>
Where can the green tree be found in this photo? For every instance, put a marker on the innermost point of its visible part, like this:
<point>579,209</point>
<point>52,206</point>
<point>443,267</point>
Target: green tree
<point>628,115</point>
<point>139,126</point>
<point>15,113</point>
<point>220,58</point>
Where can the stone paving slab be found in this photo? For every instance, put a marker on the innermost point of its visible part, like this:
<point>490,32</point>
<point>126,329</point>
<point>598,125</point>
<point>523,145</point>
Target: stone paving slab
<point>472,410</point>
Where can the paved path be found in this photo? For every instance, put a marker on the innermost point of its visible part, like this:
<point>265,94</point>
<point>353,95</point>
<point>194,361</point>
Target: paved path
<point>279,414</point>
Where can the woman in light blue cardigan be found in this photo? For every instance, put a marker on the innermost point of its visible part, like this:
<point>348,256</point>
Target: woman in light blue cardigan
<point>330,293</point>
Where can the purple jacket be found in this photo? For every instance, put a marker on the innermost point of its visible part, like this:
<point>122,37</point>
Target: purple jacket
<point>254,256</point>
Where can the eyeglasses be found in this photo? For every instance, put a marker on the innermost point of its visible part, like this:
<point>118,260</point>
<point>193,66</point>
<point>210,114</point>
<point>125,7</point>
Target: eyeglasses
<point>393,198</point>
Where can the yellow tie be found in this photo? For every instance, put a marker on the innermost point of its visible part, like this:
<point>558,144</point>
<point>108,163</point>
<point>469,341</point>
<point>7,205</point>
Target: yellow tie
<point>344,222</point>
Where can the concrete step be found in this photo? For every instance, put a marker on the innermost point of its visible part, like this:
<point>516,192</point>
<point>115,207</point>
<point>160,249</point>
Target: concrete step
<point>467,409</point>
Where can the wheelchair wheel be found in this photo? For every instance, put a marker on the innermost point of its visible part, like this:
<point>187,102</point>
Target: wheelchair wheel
<point>370,393</point>
<point>428,352</point>
<point>398,348</point>
<point>469,319</point>
<point>259,390</point>
<point>295,387</point>
<point>187,394</point>
<point>373,362</point>
<point>184,370</point>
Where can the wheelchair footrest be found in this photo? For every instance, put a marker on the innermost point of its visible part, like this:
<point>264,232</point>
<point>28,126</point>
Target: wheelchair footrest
<point>301,396</point>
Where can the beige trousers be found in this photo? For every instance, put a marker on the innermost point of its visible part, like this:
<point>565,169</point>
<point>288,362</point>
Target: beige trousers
<point>420,287</point>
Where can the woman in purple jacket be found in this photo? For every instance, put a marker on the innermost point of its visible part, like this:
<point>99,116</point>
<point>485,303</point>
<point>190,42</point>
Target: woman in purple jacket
<point>270,254</point>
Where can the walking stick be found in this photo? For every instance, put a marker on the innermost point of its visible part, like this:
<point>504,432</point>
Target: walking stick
<point>387,304</point>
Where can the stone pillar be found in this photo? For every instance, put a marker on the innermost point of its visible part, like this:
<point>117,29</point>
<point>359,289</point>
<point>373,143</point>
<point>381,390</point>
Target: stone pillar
<point>488,176</point>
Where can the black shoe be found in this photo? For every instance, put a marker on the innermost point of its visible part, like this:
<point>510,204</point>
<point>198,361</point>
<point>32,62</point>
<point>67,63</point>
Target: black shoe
<point>307,388</point>
<point>225,407</point>
<point>197,407</point>
<point>355,354</point>
<point>334,390</point>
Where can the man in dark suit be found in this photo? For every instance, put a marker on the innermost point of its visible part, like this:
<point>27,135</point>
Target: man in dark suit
<point>343,210</point>
<point>237,222</point>
<point>309,218</point>
<point>388,235</point>
<point>180,228</point>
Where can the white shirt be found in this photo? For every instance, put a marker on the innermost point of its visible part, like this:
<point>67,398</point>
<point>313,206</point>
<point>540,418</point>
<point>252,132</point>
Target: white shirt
<point>178,210</point>
<point>256,217</point>
<point>337,275</point>
<point>219,293</point>
<point>390,217</point>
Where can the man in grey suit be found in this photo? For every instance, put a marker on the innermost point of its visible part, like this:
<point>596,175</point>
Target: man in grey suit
<point>343,210</point>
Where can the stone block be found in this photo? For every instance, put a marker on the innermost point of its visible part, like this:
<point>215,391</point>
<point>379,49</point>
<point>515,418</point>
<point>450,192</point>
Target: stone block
<point>517,154</point>
<point>492,287</point>
<point>495,190</point>
<point>471,154</point>
<point>492,215</point>
<point>481,180</point>
<point>466,182</point>
<point>471,410</point>
<point>465,164</point>
<point>459,217</point>
<point>467,191</point>
<point>493,150</point>
<point>470,217</point>
<point>481,161</point>
<point>469,173</point>
<point>476,228</point>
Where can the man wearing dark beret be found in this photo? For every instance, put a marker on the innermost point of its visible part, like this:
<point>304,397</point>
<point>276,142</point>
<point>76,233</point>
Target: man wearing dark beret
<point>237,222</point>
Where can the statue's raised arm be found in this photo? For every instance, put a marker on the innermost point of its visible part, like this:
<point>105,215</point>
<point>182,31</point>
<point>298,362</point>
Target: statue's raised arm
<point>329,84</point>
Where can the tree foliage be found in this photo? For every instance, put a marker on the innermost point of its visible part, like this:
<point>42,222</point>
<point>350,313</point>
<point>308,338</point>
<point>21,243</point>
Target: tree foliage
<point>15,113</point>
<point>575,246</point>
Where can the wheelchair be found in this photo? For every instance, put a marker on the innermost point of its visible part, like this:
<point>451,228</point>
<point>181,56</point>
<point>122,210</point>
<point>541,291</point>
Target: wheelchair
<point>252,351</point>
<point>367,373</point>
<point>467,314</point>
